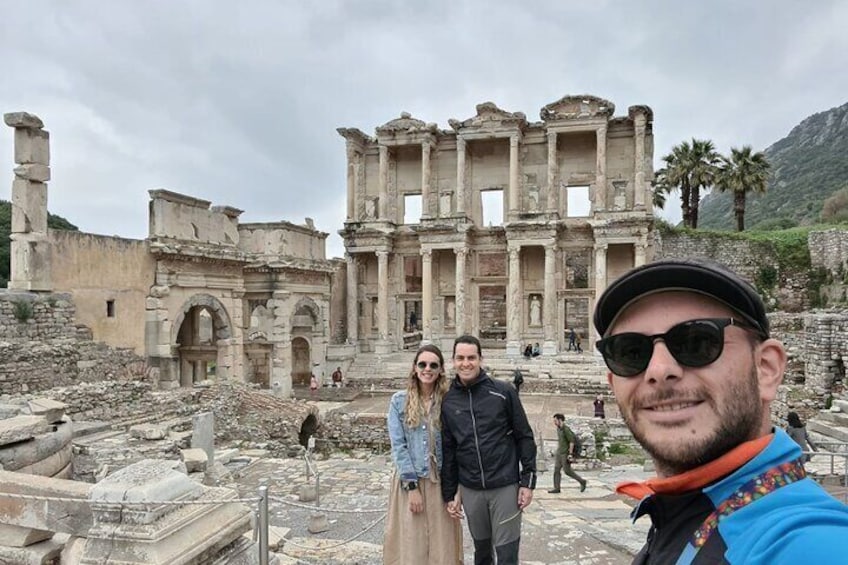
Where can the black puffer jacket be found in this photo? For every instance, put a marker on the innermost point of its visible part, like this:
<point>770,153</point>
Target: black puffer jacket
<point>485,434</point>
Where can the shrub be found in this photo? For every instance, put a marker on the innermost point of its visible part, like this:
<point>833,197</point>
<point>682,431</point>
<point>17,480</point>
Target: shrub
<point>22,310</point>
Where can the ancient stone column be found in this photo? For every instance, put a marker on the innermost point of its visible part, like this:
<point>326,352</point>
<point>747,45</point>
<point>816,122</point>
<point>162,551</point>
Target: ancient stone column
<point>426,294</point>
<point>550,345</point>
<point>513,304</point>
<point>639,164</point>
<point>513,175</point>
<point>425,179</point>
<point>553,189</point>
<point>383,179</point>
<point>352,299</point>
<point>600,275</point>
<point>601,168</point>
<point>640,255</point>
<point>30,247</point>
<point>351,182</point>
<point>461,257</point>
<point>383,294</point>
<point>460,175</point>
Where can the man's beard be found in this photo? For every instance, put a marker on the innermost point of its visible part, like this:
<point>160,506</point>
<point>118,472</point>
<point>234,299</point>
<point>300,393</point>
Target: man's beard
<point>739,420</point>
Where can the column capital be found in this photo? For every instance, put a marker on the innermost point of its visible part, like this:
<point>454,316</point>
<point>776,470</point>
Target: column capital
<point>381,254</point>
<point>552,137</point>
<point>601,246</point>
<point>461,251</point>
<point>460,142</point>
<point>427,253</point>
<point>514,250</point>
<point>514,138</point>
<point>550,247</point>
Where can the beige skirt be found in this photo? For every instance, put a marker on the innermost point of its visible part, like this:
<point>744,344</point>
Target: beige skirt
<point>430,537</point>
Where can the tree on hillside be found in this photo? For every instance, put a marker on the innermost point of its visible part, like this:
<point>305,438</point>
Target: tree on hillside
<point>744,172</point>
<point>688,168</point>
<point>835,208</point>
<point>53,222</point>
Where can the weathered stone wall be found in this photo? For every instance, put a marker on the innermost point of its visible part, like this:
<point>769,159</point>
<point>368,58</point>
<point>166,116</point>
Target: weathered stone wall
<point>41,347</point>
<point>829,249</point>
<point>349,431</point>
<point>754,261</point>
<point>96,270</point>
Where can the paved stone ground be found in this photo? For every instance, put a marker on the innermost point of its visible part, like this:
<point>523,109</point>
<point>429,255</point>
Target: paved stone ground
<point>569,528</point>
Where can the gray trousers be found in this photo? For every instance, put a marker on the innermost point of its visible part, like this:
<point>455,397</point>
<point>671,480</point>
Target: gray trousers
<point>494,521</point>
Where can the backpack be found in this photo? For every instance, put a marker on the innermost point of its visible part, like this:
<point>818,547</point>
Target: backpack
<point>578,446</point>
<point>577,442</point>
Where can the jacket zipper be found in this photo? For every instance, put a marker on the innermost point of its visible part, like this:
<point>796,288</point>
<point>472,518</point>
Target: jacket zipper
<point>476,441</point>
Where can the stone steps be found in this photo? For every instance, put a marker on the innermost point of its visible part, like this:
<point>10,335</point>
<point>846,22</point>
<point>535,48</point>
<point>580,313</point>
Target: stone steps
<point>829,429</point>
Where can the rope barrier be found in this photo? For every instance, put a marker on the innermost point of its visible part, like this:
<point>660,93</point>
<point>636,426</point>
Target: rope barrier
<point>128,503</point>
<point>326,509</point>
<point>335,545</point>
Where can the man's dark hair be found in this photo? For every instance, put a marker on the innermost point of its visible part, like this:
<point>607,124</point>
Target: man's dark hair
<point>468,339</point>
<point>559,417</point>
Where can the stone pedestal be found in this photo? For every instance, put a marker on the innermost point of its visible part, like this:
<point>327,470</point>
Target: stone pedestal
<point>160,533</point>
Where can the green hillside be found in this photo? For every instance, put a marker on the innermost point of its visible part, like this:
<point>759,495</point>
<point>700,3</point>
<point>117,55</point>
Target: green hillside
<point>55,222</point>
<point>808,166</point>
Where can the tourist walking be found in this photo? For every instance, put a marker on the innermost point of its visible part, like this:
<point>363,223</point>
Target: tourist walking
<point>798,431</point>
<point>695,371</point>
<point>313,384</point>
<point>565,454</point>
<point>572,339</point>
<point>418,527</point>
<point>490,453</point>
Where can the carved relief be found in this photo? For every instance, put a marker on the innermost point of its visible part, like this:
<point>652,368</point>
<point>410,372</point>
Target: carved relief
<point>572,107</point>
<point>405,124</point>
<point>619,198</point>
<point>450,312</point>
<point>444,204</point>
<point>489,116</point>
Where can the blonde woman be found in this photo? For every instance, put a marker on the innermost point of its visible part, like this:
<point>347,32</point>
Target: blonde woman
<point>418,527</point>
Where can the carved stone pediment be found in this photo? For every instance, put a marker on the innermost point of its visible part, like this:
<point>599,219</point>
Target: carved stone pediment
<point>634,111</point>
<point>405,124</point>
<point>489,116</point>
<point>572,107</point>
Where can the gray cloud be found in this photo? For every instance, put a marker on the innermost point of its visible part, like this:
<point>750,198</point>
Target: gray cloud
<point>238,102</point>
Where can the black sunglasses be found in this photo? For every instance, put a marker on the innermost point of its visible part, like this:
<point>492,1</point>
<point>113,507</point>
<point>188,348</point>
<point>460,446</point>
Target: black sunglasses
<point>432,364</point>
<point>695,343</point>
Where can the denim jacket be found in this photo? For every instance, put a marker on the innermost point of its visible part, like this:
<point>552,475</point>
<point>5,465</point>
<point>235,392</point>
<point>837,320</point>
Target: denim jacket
<point>410,447</point>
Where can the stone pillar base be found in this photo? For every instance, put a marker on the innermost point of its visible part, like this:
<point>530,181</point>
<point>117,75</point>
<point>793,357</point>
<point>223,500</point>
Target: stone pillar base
<point>549,348</point>
<point>383,347</point>
<point>513,349</point>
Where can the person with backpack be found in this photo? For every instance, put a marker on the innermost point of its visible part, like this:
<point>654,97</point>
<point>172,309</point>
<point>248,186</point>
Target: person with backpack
<point>567,450</point>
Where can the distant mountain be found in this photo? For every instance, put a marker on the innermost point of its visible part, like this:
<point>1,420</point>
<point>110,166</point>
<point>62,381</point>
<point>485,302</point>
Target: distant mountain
<point>54,222</point>
<point>808,165</point>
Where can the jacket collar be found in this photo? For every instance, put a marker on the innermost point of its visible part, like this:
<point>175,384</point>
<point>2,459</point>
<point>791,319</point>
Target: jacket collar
<point>483,376</point>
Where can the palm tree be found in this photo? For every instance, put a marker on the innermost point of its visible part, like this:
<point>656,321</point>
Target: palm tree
<point>703,166</point>
<point>744,172</point>
<point>674,175</point>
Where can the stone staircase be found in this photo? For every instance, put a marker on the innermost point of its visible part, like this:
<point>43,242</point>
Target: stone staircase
<point>832,426</point>
<point>566,372</point>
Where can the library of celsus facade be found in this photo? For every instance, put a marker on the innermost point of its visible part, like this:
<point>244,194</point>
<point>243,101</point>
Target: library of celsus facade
<point>499,227</point>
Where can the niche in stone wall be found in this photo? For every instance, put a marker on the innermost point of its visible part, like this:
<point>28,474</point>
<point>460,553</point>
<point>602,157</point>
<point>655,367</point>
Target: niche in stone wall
<point>577,269</point>
<point>577,316</point>
<point>492,311</point>
<point>412,273</point>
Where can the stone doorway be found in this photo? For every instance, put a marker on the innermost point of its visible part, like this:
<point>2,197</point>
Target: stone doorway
<point>301,362</point>
<point>201,326</point>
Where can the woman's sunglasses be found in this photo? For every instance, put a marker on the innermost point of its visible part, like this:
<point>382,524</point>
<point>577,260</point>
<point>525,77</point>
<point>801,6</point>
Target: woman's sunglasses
<point>432,364</point>
<point>695,343</point>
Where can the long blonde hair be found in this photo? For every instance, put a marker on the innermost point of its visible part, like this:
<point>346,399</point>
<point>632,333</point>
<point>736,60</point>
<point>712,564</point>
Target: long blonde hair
<point>414,401</point>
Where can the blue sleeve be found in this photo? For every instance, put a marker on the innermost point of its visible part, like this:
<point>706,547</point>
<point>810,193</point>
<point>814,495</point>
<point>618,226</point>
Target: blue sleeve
<point>397,435</point>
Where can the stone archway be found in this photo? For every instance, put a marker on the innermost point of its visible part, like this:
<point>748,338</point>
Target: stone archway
<point>301,361</point>
<point>198,335</point>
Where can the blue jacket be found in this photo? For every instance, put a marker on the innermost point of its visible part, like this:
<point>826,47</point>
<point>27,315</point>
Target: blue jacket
<point>410,446</point>
<point>798,522</point>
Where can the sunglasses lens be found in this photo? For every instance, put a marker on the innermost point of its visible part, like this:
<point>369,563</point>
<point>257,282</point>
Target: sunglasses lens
<point>627,354</point>
<point>423,365</point>
<point>696,343</point>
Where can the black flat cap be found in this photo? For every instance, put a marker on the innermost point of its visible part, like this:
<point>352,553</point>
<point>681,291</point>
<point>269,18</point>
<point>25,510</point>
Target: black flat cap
<point>701,276</point>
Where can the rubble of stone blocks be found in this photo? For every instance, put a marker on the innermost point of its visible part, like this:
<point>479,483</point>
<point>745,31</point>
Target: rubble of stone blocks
<point>73,522</point>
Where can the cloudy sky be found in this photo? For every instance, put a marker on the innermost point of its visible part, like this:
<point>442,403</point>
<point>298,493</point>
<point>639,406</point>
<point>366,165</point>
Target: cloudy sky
<point>238,102</point>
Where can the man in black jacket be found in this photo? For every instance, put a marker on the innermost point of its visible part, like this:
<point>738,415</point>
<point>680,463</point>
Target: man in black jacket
<point>485,434</point>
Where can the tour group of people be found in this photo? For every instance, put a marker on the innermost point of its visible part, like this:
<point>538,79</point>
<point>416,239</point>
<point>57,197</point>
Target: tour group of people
<point>693,369</point>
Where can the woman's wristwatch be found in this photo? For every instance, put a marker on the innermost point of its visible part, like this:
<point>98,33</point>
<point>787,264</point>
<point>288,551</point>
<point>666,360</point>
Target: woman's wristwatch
<point>411,485</point>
